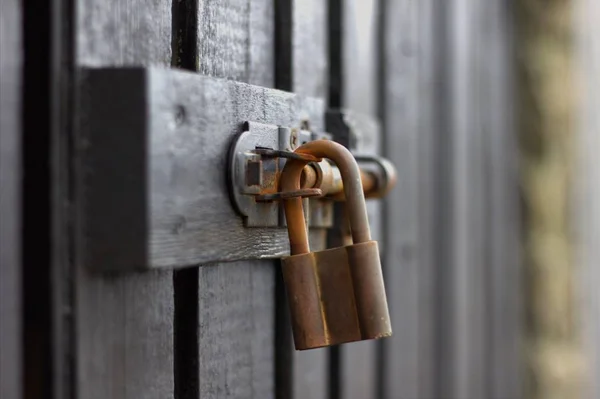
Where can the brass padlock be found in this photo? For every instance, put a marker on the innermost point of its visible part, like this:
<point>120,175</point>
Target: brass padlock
<point>336,295</point>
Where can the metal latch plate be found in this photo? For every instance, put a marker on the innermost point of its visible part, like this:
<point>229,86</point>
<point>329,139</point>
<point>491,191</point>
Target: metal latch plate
<point>253,176</point>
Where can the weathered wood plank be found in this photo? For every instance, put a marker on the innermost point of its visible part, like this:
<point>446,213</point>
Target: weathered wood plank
<point>588,190</point>
<point>479,285</point>
<point>10,198</point>
<point>235,40</point>
<point>125,346</point>
<point>132,32</point>
<point>467,235</point>
<point>402,100</point>
<point>236,348</point>
<point>124,324</point>
<point>179,123</point>
<point>430,127</point>
<point>309,47</point>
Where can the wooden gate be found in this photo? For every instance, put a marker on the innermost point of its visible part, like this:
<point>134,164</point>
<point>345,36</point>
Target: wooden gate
<point>433,74</point>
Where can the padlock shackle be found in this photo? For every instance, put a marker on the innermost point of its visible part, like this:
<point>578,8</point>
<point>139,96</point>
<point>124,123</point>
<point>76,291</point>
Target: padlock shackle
<point>353,190</point>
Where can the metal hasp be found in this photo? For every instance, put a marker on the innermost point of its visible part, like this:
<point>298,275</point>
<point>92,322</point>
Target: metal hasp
<point>257,158</point>
<point>337,295</point>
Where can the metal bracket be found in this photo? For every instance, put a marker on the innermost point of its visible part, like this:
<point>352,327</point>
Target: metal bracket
<point>257,157</point>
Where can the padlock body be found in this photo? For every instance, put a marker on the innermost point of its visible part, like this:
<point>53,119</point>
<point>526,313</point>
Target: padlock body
<point>369,290</point>
<point>336,296</point>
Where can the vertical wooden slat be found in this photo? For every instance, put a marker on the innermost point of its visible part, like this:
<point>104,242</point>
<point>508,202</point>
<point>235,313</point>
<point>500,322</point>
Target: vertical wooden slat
<point>10,199</point>
<point>236,326</point>
<point>124,323</point>
<point>429,128</point>
<point>309,47</point>
<point>406,100</point>
<point>466,234</point>
<point>451,252</point>
<point>479,230</point>
<point>236,348</point>
<point>588,190</point>
<point>503,354</point>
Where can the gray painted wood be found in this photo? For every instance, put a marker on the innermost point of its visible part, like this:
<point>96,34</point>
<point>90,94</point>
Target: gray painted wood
<point>452,225</point>
<point>175,152</point>
<point>125,335</point>
<point>171,130</point>
<point>235,40</point>
<point>429,129</point>
<point>588,185</point>
<point>360,51</point>
<point>309,47</point>
<point>10,201</point>
<point>467,238</point>
<point>478,352</point>
<point>483,228</point>
<point>132,32</point>
<point>236,329</point>
<point>403,101</point>
<point>124,323</point>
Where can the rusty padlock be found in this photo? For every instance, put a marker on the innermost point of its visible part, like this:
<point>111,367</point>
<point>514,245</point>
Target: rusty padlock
<point>336,295</point>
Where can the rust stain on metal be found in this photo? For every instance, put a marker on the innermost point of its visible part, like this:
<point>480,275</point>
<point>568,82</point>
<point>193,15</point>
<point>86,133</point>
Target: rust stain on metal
<point>336,295</point>
<point>315,174</point>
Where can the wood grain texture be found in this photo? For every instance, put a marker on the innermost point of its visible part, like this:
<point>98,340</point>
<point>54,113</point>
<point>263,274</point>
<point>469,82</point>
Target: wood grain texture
<point>125,335</point>
<point>402,99</point>
<point>309,47</point>
<point>483,252</point>
<point>10,199</point>
<point>360,51</point>
<point>132,32</point>
<point>236,348</point>
<point>588,185</point>
<point>124,323</point>
<point>235,40</point>
<point>175,216</point>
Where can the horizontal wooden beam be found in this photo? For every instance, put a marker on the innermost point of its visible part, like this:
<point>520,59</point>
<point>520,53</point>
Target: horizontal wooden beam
<point>154,151</point>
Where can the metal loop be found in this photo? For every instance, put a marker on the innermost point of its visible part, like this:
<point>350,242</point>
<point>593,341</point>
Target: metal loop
<point>387,176</point>
<point>271,153</point>
<point>302,193</point>
<point>353,189</point>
